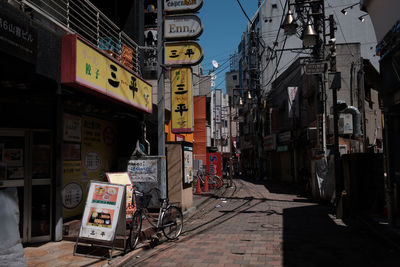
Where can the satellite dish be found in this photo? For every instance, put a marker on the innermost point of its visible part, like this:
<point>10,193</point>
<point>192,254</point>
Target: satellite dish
<point>213,76</point>
<point>212,83</point>
<point>215,63</point>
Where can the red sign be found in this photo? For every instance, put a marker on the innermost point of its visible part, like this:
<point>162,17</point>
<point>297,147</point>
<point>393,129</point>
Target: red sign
<point>214,163</point>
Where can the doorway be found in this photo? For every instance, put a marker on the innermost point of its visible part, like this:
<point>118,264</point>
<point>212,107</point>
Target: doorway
<point>26,164</point>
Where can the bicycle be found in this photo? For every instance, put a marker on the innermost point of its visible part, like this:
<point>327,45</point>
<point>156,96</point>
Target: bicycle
<point>213,180</point>
<point>170,218</point>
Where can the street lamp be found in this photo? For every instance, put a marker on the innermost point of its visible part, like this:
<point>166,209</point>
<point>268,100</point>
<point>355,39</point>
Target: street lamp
<point>289,24</point>
<point>309,35</point>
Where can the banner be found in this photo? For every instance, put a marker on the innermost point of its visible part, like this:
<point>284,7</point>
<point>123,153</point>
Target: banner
<point>181,97</point>
<point>214,164</point>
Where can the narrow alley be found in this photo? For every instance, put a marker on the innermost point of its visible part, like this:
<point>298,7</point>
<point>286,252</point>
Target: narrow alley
<point>266,225</point>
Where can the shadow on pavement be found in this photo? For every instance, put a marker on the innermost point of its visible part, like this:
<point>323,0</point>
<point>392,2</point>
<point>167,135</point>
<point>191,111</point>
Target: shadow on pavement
<point>312,238</point>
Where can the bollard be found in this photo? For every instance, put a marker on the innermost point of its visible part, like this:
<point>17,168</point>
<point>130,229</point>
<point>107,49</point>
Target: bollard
<point>198,189</point>
<point>206,183</point>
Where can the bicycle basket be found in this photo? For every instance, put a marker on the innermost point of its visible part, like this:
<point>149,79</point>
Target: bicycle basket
<point>142,201</point>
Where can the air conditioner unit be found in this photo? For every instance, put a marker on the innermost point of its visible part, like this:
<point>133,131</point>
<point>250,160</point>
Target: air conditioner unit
<point>345,123</point>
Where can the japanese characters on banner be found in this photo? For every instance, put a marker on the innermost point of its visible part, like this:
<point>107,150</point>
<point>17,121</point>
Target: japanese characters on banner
<point>102,211</point>
<point>181,97</point>
<point>180,55</point>
<point>214,164</point>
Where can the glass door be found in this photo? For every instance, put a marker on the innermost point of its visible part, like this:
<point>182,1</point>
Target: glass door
<point>26,164</point>
<point>40,183</point>
<point>13,161</point>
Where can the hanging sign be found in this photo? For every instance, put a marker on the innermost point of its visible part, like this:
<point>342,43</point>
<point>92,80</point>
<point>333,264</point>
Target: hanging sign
<point>181,97</point>
<point>102,211</point>
<point>182,27</point>
<point>182,5</point>
<point>183,53</point>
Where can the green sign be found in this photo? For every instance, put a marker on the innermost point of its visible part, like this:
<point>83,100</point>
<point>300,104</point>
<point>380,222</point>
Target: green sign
<point>282,148</point>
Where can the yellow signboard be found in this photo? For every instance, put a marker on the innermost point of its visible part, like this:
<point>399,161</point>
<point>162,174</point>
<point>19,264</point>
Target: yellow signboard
<point>183,53</point>
<point>181,97</point>
<point>97,72</point>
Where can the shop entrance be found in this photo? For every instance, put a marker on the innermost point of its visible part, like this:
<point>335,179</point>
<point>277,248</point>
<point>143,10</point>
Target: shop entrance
<point>26,164</point>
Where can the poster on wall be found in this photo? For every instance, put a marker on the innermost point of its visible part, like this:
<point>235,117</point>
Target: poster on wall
<point>72,195</point>
<point>102,211</point>
<point>13,156</point>
<point>188,166</point>
<point>72,128</point>
<point>214,163</point>
<point>88,160</point>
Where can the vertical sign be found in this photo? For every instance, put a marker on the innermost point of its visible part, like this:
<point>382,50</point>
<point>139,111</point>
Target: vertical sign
<point>181,97</point>
<point>214,164</point>
<point>292,92</point>
<point>188,165</point>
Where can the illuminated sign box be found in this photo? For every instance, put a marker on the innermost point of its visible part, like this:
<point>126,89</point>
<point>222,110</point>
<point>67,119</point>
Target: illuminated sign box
<point>86,68</point>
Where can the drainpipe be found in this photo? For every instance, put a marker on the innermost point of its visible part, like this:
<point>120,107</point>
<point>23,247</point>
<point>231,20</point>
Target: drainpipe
<point>362,95</point>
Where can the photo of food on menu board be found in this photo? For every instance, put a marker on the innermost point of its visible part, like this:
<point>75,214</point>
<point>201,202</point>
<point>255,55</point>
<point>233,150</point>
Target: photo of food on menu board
<point>100,217</point>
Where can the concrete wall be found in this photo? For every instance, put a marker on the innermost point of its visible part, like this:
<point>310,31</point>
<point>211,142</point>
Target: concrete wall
<point>176,192</point>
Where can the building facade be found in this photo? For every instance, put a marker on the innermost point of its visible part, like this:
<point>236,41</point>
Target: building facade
<point>74,103</point>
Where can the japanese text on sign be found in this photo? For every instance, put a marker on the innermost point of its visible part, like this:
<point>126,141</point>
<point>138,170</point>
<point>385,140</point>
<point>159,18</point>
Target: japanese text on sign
<point>181,96</point>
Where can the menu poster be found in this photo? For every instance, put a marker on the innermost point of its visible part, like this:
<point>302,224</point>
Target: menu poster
<point>130,202</point>
<point>102,211</point>
<point>124,179</point>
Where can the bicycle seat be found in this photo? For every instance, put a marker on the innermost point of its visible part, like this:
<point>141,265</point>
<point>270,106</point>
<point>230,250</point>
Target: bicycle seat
<point>163,199</point>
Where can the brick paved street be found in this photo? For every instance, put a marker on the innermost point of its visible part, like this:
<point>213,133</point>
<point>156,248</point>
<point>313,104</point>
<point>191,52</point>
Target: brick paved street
<point>257,225</point>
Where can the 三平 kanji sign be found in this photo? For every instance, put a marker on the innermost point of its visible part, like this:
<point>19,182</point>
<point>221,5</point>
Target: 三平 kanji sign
<point>183,53</point>
<point>181,97</point>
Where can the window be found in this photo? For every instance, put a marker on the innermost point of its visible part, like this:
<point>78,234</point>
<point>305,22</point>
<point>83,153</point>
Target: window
<point>234,77</point>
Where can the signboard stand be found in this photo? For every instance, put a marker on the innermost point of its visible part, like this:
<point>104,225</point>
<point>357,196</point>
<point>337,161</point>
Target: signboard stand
<point>143,171</point>
<point>103,220</point>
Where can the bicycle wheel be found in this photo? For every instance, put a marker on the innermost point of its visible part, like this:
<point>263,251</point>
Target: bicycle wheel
<point>172,222</point>
<point>136,227</point>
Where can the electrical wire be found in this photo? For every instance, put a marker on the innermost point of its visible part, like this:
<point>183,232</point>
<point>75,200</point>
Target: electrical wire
<point>244,12</point>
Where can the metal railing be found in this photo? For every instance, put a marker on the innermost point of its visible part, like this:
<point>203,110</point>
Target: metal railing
<point>85,19</point>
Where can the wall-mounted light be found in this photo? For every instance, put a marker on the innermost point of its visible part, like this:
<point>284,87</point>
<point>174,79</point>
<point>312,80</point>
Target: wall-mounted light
<point>248,95</point>
<point>361,18</point>
<point>344,10</point>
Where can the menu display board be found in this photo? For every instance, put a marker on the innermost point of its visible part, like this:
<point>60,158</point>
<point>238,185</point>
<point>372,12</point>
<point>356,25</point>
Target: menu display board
<point>102,211</point>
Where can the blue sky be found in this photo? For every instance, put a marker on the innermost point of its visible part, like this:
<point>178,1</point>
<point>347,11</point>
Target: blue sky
<point>224,23</point>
